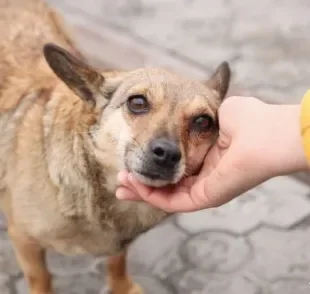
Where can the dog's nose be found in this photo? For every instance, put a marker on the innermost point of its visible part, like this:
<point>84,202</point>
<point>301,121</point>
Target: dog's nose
<point>165,152</point>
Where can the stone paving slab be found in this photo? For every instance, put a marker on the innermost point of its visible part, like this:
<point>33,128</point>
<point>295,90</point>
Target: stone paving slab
<point>115,47</point>
<point>257,244</point>
<point>282,202</point>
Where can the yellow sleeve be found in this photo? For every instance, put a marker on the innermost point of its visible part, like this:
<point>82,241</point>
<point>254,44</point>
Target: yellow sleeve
<point>305,123</point>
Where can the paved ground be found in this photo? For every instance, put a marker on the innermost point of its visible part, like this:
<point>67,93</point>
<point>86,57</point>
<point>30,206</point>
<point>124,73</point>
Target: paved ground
<point>258,244</point>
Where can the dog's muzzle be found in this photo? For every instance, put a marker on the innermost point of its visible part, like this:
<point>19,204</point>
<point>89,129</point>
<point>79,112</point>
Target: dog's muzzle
<point>162,159</point>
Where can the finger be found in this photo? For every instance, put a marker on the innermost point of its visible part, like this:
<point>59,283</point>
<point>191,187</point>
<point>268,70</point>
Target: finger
<point>125,190</point>
<point>137,186</point>
<point>122,178</point>
<point>123,193</point>
<point>168,199</point>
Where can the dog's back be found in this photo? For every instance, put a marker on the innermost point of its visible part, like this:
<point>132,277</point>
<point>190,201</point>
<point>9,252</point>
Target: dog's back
<point>25,26</point>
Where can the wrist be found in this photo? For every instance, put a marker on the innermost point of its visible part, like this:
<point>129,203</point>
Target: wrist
<point>289,155</point>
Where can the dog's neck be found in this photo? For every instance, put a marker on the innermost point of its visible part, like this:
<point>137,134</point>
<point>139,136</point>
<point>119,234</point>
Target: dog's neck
<point>73,166</point>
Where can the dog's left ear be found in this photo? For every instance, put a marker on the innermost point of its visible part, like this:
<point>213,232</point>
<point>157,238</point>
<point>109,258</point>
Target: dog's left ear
<point>220,80</point>
<point>80,77</point>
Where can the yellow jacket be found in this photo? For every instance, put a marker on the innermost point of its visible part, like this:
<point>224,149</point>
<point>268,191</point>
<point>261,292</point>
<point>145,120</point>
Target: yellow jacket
<point>305,124</point>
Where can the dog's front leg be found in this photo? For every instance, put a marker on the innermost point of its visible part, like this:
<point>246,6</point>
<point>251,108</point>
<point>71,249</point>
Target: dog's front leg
<point>118,277</point>
<point>31,257</point>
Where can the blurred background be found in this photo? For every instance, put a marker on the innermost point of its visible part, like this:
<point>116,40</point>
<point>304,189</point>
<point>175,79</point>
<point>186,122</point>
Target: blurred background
<point>256,244</point>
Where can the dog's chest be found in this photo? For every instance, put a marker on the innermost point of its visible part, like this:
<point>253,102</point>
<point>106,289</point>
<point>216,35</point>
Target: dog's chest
<point>109,237</point>
<point>84,240</point>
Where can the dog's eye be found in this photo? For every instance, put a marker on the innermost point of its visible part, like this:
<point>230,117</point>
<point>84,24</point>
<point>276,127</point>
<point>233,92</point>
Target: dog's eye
<point>202,123</point>
<point>137,104</point>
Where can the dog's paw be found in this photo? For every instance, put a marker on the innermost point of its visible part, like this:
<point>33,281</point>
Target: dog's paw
<point>136,289</point>
<point>106,290</point>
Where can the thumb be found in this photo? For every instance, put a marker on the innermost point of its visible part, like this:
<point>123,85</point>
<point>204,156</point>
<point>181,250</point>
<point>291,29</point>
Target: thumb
<point>227,180</point>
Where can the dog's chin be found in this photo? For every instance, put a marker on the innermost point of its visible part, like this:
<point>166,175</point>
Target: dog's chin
<point>153,181</point>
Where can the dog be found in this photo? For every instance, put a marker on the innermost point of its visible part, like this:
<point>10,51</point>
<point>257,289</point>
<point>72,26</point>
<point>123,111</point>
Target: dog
<point>67,129</point>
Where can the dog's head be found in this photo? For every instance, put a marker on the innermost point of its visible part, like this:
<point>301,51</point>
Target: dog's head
<point>161,124</point>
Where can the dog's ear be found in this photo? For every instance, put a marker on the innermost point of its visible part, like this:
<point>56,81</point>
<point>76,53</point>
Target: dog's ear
<point>81,78</point>
<point>220,80</point>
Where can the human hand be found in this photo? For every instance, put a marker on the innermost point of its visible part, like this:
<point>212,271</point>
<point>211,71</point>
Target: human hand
<point>257,141</point>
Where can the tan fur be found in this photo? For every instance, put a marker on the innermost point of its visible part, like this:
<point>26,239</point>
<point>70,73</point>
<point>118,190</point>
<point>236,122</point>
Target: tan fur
<point>65,136</point>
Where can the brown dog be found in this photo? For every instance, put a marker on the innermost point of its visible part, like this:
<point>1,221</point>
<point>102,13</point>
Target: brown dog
<point>65,132</point>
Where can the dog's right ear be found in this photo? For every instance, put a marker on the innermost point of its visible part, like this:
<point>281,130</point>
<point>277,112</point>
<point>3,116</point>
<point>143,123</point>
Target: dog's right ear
<point>80,77</point>
<point>220,80</point>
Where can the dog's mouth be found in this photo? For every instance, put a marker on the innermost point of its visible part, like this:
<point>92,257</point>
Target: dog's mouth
<point>153,175</point>
<point>152,179</point>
